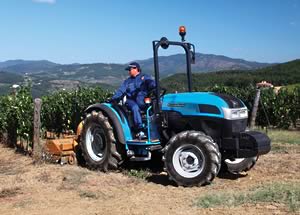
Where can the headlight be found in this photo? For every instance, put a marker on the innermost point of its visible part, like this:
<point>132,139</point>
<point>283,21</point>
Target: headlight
<point>235,113</point>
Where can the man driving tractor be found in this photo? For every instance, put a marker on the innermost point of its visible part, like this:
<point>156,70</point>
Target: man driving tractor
<point>136,87</point>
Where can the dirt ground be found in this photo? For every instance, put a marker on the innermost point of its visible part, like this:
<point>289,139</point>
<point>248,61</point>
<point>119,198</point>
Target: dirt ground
<point>28,188</point>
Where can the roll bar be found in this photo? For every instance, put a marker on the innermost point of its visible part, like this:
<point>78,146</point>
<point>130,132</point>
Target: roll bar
<point>190,58</point>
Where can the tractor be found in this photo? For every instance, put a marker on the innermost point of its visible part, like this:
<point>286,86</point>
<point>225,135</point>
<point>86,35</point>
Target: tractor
<point>196,133</point>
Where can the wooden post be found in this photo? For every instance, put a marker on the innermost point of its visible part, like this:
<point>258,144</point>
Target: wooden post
<point>254,109</point>
<point>37,147</point>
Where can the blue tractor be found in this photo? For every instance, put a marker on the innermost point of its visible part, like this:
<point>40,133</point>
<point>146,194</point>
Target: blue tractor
<point>195,132</point>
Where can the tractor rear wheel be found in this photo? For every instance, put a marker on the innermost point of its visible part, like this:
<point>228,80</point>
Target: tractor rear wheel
<point>98,144</point>
<point>192,159</point>
<point>239,164</point>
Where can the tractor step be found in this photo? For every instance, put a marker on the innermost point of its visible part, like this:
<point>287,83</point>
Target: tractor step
<point>155,147</point>
<point>142,142</point>
<point>142,158</point>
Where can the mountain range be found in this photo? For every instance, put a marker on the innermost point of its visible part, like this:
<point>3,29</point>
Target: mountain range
<point>26,66</point>
<point>46,75</point>
<point>168,65</point>
<point>204,63</point>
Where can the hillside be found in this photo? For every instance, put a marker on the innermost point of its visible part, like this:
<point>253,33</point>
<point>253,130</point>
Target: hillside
<point>204,63</point>
<point>7,80</point>
<point>113,73</point>
<point>47,76</point>
<point>10,78</point>
<point>42,86</point>
<point>281,74</point>
<point>26,66</point>
<point>90,73</point>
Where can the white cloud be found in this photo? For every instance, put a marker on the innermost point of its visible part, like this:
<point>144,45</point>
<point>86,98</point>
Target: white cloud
<point>45,1</point>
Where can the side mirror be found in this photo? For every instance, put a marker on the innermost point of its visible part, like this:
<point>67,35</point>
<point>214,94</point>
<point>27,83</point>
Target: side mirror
<point>164,43</point>
<point>193,57</point>
<point>192,52</point>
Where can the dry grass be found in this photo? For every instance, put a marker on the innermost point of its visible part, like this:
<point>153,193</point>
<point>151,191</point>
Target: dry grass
<point>29,188</point>
<point>7,168</point>
<point>72,179</point>
<point>9,192</point>
<point>8,163</point>
<point>88,194</point>
<point>44,177</point>
<point>284,141</point>
<point>284,136</point>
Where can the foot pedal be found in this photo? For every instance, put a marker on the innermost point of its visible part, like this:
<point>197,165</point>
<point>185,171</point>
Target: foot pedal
<point>141,135</point>
<point>155,147</point>
<point>130,153</point>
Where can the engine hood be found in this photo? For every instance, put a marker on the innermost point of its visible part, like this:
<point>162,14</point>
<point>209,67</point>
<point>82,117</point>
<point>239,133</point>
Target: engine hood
<point>200,103</point>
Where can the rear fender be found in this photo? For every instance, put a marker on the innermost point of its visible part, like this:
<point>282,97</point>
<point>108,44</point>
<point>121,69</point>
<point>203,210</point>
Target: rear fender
<point>119,125</point>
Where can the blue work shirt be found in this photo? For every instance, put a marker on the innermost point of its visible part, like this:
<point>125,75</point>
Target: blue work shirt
<point>134,87</point>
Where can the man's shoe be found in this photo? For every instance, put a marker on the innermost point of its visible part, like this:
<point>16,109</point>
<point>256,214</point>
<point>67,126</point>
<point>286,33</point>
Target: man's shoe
<point>141,135</point>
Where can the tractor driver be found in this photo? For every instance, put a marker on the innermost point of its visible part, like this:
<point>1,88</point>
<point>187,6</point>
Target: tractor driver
<point>135,88</point>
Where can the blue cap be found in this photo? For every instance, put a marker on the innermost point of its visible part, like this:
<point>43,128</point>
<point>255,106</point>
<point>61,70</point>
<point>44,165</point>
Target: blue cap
<point>133,65</point>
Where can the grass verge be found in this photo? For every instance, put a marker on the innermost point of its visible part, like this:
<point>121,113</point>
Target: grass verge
<point>284,137</point>
<point>284,141</point>
<point>283,193</point>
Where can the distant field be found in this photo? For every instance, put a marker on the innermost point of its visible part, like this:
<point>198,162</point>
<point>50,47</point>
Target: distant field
<point>284,137</point>
<point>4,88</point>
<point>284,140</point>
<point>4,85</point>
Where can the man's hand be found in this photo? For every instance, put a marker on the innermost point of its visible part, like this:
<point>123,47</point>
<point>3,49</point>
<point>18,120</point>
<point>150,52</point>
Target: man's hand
<point>112,101</point>
<point>108,100</point>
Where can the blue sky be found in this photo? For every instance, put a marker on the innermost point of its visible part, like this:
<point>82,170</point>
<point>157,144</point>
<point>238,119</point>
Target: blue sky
<point>119,31</point>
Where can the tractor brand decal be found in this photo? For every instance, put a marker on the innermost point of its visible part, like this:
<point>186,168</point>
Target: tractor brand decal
<point>176,104</point>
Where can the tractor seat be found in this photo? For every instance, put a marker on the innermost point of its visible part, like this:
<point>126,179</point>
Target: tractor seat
<point>128,111</point>
<point>125,110</point>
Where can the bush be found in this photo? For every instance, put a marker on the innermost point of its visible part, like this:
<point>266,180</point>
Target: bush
<point>16,115</point>
<point>282,109</point>
<point>63,110</point>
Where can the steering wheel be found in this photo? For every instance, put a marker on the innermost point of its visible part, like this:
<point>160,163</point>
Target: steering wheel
<point>162,92</point>
<point>151,93</point>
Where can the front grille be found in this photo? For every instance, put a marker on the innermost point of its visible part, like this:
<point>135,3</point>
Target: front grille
<point>239,125</point>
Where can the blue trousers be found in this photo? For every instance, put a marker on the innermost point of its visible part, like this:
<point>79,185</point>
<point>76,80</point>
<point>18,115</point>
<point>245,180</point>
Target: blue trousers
<point>136,106</point>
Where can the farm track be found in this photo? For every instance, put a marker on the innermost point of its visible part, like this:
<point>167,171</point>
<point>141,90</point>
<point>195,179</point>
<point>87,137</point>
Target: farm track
<point>28,188</point>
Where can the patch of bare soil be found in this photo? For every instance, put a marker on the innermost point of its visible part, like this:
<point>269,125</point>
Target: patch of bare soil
<point>28,188</point>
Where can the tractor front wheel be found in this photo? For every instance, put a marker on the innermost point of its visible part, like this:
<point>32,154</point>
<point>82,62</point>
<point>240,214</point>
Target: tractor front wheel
<point>98,144</point>
<point>192,159</point>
